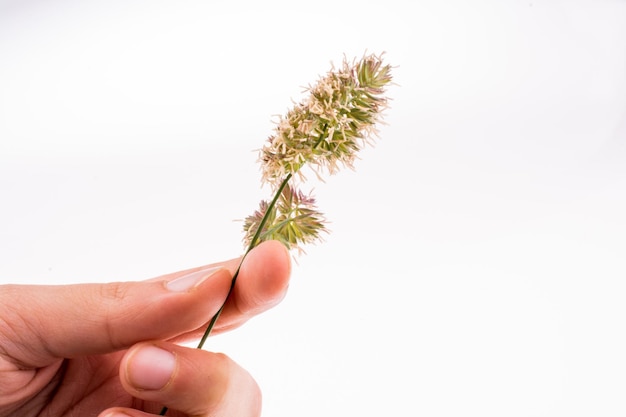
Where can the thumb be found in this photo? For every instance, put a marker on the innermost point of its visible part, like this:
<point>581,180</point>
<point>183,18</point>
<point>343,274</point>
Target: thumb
<point>41,324</point>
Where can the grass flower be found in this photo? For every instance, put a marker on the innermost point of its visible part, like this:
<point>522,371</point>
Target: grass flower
<point>293,220</point>
<point>324,132</point>
<point>332,125</point>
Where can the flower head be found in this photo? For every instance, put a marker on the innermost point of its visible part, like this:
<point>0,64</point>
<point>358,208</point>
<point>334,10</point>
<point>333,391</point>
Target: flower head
<point>332,125</point>
<point>292,220</point>
<point>325,131</point>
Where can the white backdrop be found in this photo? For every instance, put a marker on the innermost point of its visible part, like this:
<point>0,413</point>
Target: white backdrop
<point>476,262</point>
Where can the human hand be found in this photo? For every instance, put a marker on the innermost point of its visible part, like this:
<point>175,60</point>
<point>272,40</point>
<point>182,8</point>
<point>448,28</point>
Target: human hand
<point>100,349</point>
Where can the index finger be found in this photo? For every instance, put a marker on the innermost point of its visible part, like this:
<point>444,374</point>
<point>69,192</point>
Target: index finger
<point>262,283</point>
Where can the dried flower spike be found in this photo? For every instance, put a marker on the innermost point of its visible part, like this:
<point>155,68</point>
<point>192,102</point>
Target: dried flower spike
<point>329,127</point>
<point>325,131</point>
<point>293,220</point>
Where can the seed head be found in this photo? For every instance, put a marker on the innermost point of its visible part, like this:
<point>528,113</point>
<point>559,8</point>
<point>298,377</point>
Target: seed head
<point>332,125</point>
<point>293,220</point>
<point>325,131</point>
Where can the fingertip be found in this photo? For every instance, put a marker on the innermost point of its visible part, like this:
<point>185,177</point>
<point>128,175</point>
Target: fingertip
<point>262,282</point>
<point>270,266</point>
<point>124,412</point>
<point>189,380</point>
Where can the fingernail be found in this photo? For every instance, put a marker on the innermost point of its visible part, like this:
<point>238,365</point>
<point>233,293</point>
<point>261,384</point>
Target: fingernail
<point>117,414</point>
<point>192,280</point>
<point>151,368</point>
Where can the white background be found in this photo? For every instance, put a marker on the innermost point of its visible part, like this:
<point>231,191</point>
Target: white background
<point>476,262</point>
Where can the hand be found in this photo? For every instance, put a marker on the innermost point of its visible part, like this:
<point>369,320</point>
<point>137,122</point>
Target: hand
<point>100,349</point>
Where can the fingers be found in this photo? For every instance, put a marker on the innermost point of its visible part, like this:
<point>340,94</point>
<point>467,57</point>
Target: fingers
<point>39,324</point>
<point>261,284</point>
<point>191,381</point>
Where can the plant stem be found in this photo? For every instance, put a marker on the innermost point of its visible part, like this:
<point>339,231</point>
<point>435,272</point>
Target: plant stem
<point>250,246</point>
<point>253,243</point>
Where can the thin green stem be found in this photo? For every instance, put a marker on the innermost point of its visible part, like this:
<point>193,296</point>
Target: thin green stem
<point>253,243</point>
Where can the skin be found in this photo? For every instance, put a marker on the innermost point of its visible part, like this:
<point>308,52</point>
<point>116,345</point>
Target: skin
<point>103,349</point>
